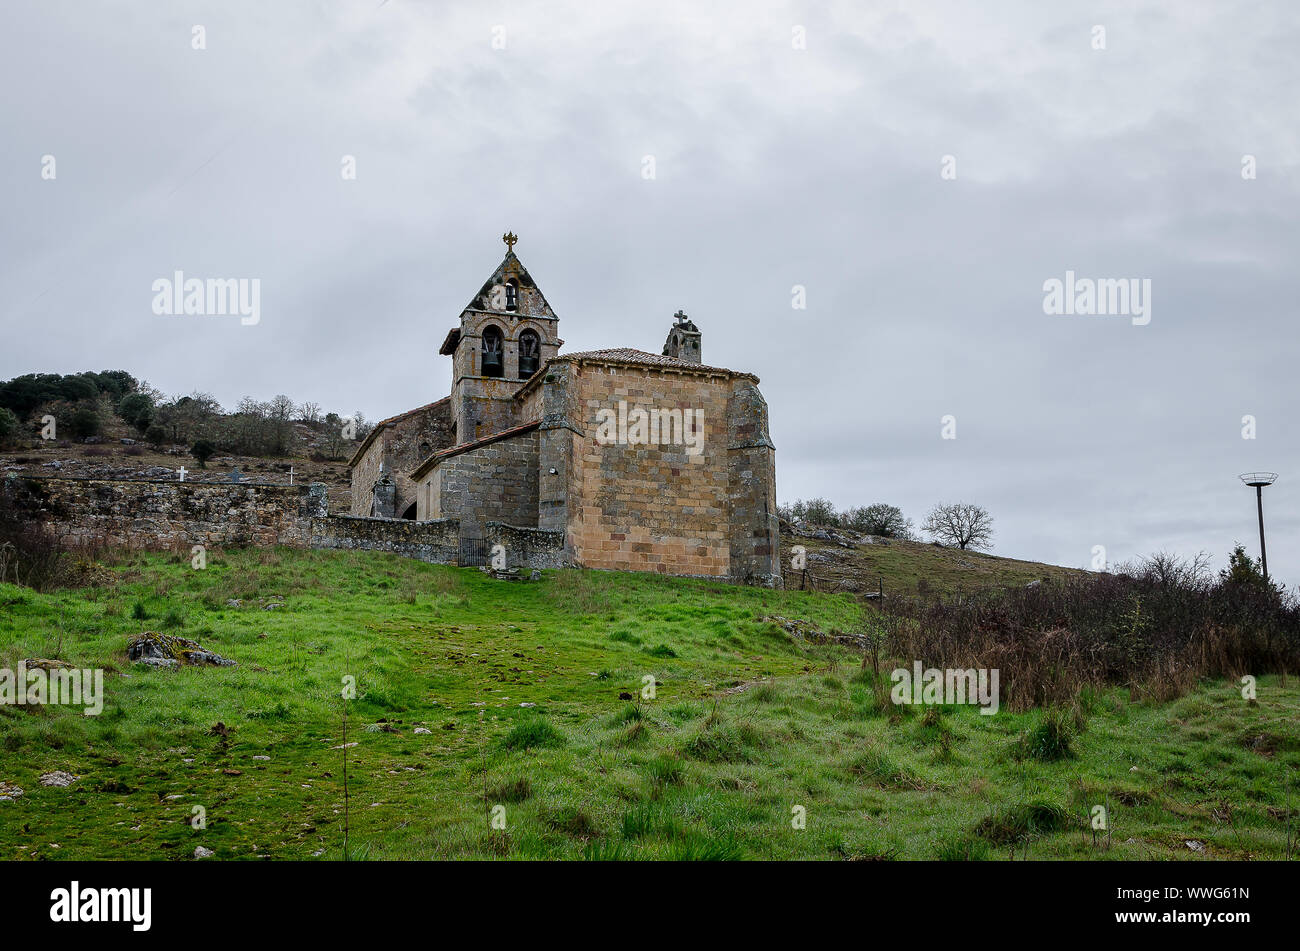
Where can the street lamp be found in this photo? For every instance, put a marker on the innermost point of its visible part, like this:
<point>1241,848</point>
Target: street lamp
<point>1258,480</point>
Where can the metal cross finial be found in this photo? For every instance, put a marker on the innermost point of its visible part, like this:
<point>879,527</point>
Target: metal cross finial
<point>510,238</point>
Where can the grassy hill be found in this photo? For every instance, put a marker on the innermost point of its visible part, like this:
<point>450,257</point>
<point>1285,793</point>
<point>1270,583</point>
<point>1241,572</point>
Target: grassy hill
<point>848,562</point>
<point>475,693</point>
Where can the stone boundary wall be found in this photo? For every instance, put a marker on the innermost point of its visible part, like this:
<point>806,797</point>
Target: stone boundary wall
<point>161,514</point>
<point>165,514</point>
<point>436,541</point>
<point>527,547</point>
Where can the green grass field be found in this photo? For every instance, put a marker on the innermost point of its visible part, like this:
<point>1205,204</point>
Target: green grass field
<point>747,724</point>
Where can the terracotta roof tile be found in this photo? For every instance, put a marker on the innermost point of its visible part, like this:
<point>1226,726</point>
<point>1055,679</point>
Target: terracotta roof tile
<point>640,357</point>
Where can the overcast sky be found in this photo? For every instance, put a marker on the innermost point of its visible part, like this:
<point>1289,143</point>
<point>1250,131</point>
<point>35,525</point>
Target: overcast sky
<point>792,144</point>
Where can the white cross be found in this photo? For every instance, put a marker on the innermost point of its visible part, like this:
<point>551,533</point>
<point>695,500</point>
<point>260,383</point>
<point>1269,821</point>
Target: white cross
<point>291,475</point>
<point>182,473</point>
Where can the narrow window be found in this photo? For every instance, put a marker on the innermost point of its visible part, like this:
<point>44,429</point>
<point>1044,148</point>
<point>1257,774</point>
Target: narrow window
<point>492,362</point>
<point>530,353</point>
<point>512,294</point>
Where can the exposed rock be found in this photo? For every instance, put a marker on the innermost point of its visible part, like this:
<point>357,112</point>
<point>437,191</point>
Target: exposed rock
<point>829,533</point>
<point>420,729</point>
<point>9,792</point>
<point>1194,845</point>
<point>807,631</point>
<point>44,663</point>
<point>58,778</point>
<point>201,853</point>
<point>168,650</point>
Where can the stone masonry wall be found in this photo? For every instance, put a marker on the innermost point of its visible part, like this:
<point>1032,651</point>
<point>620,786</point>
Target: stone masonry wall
<point>437,541</point>
<point>495,482</point>
<point>165,514</point>
<point>653,508</point>
<point>364,476</point>
<point>527,547</point>
<point>556,402</point>
<point>484,406</point>
<point>401,446</point>
<point>751,462</point>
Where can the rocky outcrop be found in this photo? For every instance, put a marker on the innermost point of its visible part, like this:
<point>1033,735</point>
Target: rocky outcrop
<point>168,650</point>
<point>802,630</point>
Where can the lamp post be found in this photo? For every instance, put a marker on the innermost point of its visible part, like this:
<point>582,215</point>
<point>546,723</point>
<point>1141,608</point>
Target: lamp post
<point>1258,480</point>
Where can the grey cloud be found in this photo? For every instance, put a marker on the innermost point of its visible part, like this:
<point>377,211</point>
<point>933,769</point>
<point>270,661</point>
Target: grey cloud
<point>776,167</point>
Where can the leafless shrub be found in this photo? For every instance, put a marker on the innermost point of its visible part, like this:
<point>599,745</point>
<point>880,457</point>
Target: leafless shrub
<point>1156,629</point>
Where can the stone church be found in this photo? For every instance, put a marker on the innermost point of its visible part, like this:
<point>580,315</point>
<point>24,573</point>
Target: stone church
<point>630,460</point>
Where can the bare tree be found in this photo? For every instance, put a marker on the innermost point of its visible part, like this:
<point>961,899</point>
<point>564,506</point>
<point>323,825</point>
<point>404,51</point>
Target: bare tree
<point>362,427</point>
<point>309,413</point>
<point>280,408</point>
<point>187,417</point>
<point>961,524</point>
<point>279,413</point>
